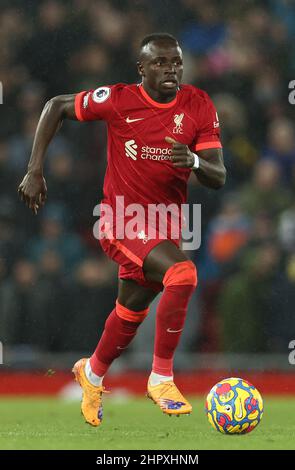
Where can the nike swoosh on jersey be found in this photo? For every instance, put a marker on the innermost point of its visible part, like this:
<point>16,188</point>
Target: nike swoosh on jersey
<point>133,120</point>
<point>173,331</point>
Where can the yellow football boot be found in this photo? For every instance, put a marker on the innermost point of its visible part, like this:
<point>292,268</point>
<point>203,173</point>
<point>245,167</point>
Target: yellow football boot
<point>169,398</point>
<point>91,405</point>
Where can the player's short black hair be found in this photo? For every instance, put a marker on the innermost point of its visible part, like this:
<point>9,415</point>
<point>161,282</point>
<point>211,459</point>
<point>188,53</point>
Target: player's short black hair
<point>157,37</point>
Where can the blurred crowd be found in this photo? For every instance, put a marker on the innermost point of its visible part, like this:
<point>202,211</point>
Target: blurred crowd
<point>56,285</point>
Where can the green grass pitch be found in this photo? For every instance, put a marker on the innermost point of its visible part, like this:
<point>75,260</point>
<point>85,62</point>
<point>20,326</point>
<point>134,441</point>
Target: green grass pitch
<point>135,424</point>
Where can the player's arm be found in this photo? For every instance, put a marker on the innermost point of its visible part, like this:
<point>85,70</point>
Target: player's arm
<point>32,189</point>
<point>211,171</point>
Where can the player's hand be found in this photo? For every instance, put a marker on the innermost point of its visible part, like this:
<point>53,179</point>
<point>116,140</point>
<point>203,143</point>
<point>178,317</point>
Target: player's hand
<point>33,190</point>
<point>181,156</point>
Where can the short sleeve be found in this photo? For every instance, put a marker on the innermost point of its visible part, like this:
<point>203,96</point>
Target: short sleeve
<point>208,129</point>
<point>96,104</point>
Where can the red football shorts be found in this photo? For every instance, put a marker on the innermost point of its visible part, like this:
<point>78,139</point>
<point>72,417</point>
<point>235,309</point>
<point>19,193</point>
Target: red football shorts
<point>130,255</point>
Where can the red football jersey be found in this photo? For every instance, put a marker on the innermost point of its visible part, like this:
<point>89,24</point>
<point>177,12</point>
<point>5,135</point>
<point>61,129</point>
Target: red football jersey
<point>139,166</point>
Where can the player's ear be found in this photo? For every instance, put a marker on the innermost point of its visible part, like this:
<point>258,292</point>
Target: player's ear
<point>140,69</point>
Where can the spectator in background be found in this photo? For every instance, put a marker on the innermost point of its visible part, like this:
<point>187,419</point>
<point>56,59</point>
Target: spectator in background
<point>51,302</point>
<point>286,230</point>
<point>227,233</point>
<point>206,30</point>
<point>46,52</point>
<point>31,98</point>
<point>245,302</point>
<point>10,242</point>
<point>240,151</point>
<point>90,65</point>
<point>7,177</point>
<point>63,182</point>
<point>281,148</point>
<point>17,305</point>
<point>280,324</point>
<point>57,238</point>
<point>265,193</point>
<point>90,296</point>
<point>20,145</point>
<point>264,228</point>
<point>285,10</point>
<point>33,305</point>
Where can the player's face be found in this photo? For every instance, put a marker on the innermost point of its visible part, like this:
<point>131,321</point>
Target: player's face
<point>161,68</point>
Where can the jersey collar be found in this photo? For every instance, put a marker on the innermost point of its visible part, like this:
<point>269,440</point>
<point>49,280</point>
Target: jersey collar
<point>156,103</point>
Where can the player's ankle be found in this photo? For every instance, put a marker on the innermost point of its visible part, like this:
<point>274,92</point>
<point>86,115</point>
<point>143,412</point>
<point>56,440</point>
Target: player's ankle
<point>94,379</point>
<point>157,379</point>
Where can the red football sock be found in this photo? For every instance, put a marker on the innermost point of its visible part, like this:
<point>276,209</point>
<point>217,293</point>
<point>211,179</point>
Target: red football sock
<point>180,281</point>
<point>120,328</point>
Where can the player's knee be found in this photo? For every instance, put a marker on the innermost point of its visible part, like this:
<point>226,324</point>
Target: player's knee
<point>131,315</point>
<point>183,273</point>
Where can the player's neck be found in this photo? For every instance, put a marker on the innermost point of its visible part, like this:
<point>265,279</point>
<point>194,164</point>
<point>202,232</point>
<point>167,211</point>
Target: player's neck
<point>156,96</point>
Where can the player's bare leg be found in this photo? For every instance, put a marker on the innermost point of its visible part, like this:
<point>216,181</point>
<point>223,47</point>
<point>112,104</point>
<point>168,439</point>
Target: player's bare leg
<point>168,264</point>
<point>120,328</point>
<point>133,296</point>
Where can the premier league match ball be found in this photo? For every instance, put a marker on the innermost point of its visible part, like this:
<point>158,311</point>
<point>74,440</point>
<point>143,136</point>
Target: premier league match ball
<point>234,406</point>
